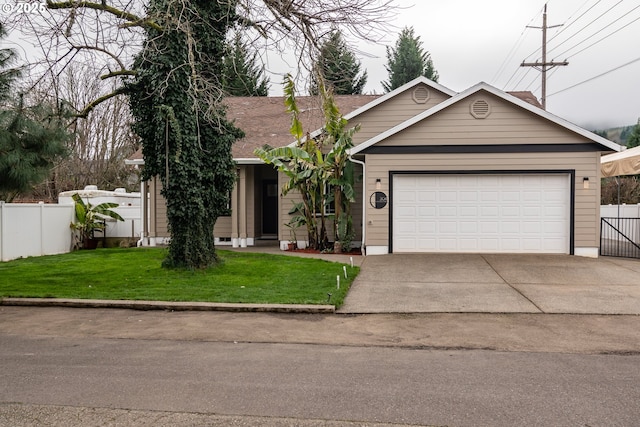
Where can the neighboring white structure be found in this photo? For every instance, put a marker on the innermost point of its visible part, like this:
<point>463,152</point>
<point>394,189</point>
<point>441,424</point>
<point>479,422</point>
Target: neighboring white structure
<point>128,208</point>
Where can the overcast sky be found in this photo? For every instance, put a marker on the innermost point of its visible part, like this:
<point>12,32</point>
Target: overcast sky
<point>470,40</point>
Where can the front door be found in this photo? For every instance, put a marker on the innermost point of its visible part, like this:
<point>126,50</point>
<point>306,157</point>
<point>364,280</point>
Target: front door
<point>269,207</point>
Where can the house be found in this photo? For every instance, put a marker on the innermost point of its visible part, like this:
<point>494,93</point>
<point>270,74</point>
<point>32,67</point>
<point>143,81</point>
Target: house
<point>477,171</point>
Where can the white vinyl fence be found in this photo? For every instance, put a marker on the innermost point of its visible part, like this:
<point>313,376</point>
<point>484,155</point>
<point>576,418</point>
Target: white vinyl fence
<point>620,211</point>
<point>36,229</point>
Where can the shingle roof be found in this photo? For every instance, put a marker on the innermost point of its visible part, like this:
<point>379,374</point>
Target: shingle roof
<point>264,120</point>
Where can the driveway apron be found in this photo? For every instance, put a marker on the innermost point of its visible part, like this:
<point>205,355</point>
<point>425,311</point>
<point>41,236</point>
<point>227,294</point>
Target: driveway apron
<point>495,283</point>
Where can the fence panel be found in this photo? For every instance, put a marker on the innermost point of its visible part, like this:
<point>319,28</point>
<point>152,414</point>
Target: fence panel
<point>620,237</point>
<point>29,229</point>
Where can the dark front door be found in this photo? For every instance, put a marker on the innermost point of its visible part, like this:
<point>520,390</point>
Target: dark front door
<point>269,206</point>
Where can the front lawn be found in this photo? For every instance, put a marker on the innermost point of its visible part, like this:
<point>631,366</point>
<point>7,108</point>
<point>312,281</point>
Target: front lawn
<point>136,274</point>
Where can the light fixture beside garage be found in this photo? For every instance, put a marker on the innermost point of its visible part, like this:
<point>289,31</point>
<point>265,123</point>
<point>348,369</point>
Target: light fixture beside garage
<point>378,184</point>
<point>585,182</point>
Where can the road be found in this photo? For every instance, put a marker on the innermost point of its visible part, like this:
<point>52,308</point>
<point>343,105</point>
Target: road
<point>80,376</point>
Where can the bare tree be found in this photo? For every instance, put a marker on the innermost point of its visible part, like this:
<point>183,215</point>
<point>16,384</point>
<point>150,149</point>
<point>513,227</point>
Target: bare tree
<point>107,35</point>
<point>100,143</point>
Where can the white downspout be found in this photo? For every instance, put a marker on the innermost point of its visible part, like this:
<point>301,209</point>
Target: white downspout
<point>364,206</point>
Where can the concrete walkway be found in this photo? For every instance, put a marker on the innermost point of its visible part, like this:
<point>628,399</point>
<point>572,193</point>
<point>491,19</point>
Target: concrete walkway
<point>474,283</point>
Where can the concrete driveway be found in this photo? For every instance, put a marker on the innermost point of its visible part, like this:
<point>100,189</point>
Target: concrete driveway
<point>446,283</point>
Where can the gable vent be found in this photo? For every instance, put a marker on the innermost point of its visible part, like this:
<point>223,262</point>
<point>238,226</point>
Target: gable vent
<point>480,109</point>
<point>421,95</point>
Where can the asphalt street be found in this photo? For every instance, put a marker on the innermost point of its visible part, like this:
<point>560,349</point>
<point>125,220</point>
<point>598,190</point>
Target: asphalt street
<point>118,367</point>
<point>409,386</point>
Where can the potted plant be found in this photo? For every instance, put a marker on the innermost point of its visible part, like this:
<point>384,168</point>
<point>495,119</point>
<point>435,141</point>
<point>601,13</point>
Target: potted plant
<point>90,218</point>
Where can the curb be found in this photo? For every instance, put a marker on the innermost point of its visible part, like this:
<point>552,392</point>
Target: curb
<point>169,305</point>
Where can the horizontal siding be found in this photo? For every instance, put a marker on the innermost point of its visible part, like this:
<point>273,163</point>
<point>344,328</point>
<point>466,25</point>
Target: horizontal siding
<point>222,227</point>
<point>393,112</point>
<point>507,124</point>
<point>585,164</point>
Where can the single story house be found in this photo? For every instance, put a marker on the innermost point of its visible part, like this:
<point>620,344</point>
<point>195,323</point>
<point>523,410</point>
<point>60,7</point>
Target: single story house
<point>477,171</point>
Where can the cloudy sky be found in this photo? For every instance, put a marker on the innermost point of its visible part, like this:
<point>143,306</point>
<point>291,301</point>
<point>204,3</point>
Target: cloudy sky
<point>472,41</point>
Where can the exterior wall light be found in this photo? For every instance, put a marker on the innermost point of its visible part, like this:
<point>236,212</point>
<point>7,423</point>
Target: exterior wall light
<point>585,182</point>
<point>378,184</point>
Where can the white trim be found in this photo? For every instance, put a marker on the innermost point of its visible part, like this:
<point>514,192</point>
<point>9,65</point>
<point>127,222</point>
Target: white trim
<point>251,241</point>
<point>500,94</point>
<point>377,250</point>
<point>248,161</point>
<point>235,242</point>
<point>586,252</point>
<point>134,162</point>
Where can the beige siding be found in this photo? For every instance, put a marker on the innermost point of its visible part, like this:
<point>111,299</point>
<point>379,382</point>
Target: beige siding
<point>222,229</point>
<point>392,112</point>
<point>158,226</point>
<point>585,164</point>
<point>507,124</point>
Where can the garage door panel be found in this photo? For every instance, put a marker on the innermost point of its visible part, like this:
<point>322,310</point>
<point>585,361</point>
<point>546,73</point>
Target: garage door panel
<point>481,213</point>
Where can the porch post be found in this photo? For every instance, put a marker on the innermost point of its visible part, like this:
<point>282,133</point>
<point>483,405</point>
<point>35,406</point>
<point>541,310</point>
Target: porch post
<point>242,205</point>
<point>235,212</point>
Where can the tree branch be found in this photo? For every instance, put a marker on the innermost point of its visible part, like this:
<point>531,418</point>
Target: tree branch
<point>93,104</point>
<point>130,17</point>
<point>118,73</point>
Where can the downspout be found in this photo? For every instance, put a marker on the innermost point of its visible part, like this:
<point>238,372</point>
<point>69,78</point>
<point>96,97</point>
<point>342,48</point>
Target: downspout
<point>364,206</point>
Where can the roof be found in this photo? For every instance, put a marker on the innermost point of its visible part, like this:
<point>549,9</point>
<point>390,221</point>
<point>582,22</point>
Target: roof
<point>608,145</point>
<point>265,120</point>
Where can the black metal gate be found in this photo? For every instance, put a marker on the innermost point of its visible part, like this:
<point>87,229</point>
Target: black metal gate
<point>620,237</point>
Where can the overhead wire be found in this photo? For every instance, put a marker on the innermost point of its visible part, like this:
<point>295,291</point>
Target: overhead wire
<point>564,27</point>
<point>583,28</point>
<point>599,31</point>
<point>514,48</point>
<point>596,77</point>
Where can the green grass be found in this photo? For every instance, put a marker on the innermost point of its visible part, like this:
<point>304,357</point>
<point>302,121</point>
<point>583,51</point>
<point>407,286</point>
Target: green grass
<point>136,274</point>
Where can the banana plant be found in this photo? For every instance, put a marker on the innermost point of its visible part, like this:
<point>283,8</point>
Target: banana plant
<point>90,218</point>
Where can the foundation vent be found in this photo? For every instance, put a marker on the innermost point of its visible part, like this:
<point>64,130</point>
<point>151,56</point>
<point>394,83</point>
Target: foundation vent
<point>480,109</point>
<point>421,95</point>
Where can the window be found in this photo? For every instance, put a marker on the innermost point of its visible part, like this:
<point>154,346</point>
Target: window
<point>330,205</point>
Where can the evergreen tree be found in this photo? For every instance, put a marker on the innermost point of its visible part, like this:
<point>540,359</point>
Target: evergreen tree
<point>186,138</point>
<point>408,60</point>
<point>634,138</point>
<point>31,138</point>
<point>339,67</point>
<point>242,75</point>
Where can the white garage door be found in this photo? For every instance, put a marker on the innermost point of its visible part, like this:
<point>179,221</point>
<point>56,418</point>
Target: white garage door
<point>526,213</point>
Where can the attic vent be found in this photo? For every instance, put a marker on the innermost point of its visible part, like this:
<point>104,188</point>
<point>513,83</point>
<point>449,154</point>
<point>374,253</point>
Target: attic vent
<point>421,95</point>
<point>480,109</point>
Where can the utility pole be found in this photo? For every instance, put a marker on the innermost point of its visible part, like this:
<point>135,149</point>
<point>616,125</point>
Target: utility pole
<point>544,65</point>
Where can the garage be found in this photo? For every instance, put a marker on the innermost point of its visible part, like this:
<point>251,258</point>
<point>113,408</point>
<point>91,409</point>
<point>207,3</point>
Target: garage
<point>481,212</point>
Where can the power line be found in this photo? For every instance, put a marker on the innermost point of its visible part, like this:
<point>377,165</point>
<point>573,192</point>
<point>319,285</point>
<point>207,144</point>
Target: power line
<point>568,25</point>
<point>597,77</point>
<point>583,28</point>
<point>565,27</point>
<point>514,48</point>
<point>603,38</point>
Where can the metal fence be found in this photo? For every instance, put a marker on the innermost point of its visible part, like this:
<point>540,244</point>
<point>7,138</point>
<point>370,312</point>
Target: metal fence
<point>620,237</point>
